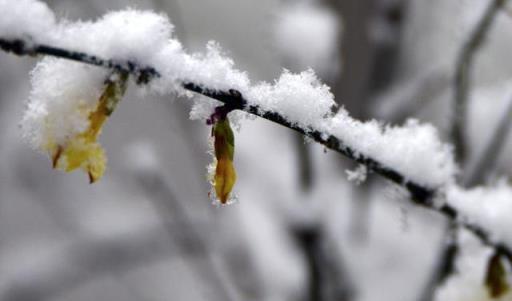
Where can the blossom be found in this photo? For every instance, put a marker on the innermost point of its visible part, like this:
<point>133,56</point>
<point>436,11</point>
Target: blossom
<point>83,151</point>
<point>64,117</point>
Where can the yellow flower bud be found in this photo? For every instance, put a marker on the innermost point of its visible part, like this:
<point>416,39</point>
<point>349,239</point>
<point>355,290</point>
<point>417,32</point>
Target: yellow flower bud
<point>83,151</point>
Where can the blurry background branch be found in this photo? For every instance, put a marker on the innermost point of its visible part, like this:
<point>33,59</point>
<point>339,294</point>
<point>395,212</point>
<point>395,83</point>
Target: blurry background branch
<point>408,98</point>
<point>449,248</point>
<point>328,276</point>
<point>486,162</point>
<point>462,78</point>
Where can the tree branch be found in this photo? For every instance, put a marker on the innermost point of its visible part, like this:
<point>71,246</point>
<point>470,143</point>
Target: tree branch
<point>21,47</point>
<point>420,195</point>
<point>462,77</point>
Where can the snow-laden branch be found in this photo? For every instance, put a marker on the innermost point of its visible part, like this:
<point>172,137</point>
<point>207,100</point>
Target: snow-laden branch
<point>234,100</point>
<point>141,44</point>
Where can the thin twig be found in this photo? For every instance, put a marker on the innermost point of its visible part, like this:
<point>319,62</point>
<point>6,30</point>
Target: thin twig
<point>462,77</point>
<point>420,195</point>
<point>490,154</point>
<point>419,93</point>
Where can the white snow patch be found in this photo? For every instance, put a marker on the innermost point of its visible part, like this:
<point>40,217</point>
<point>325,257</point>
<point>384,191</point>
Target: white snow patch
<point>489,207</point>
<point>301,98</point>
<point>413,149</point>
<point>358,175</point>
<point>125,35</point>
<point>62,96</point>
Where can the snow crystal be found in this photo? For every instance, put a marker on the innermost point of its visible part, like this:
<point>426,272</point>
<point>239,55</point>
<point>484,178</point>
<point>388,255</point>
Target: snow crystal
<point>358,175</point>
<point>25,17</point>
<point>203,107</point>
<point>212,69</point>
<point>59,104</point>
<point>301,98</point>
<point>414,149</point>
<point>128,35</point>
<point>488,207</point>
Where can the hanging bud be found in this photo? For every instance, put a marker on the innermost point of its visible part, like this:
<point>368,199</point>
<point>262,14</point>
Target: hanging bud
<point>83,151</point>
<point>496,277</point>
<point>224,147</point>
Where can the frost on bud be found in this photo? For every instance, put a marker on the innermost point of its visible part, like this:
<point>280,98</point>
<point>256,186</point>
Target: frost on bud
<point>496,277</point>
<point>83,151</point>
<point>224,175</point>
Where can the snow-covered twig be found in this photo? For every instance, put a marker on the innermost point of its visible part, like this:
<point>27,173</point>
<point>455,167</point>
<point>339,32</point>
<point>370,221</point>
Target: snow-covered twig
<point>27,47</point>
<point>462,76</point>
<point>420,194</point>
<point>410,96</point>
<point>235,100</point>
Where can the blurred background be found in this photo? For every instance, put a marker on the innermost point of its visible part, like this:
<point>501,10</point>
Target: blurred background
<point>300,229</point>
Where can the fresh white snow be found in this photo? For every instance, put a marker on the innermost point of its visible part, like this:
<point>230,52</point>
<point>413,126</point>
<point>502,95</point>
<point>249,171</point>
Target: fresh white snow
<point>55,111</point>
<point>490,207</point>
<point>63,93</point>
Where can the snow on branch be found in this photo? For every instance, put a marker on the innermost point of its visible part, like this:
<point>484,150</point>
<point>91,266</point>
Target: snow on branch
<point>141,44</point>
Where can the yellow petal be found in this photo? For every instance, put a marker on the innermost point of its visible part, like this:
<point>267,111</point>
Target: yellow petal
<point>84,154</point>
<point>225,178</point>
<point>83,151</point>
